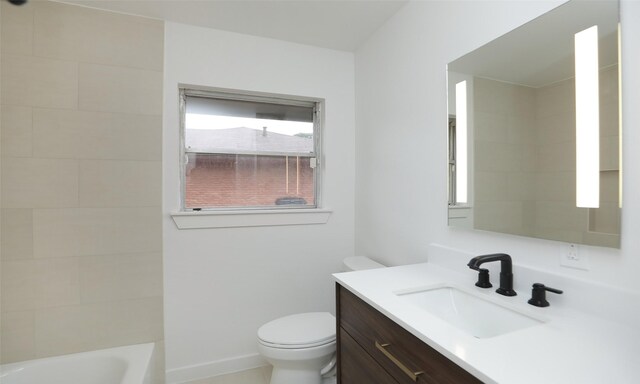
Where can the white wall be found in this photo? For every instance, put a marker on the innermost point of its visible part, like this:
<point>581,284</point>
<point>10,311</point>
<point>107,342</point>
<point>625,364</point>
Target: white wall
<point>222,284</point>
<point>401,114</point>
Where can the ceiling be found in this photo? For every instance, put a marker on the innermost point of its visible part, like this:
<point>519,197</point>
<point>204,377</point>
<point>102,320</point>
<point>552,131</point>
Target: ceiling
<point>335,24</point>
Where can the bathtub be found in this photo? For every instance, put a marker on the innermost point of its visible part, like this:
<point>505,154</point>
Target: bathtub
<point>122,365</point>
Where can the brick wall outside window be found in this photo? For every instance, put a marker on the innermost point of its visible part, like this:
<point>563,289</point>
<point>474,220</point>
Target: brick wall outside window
<point>215,180</point>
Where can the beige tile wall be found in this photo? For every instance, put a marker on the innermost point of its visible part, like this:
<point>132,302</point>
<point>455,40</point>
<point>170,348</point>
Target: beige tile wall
<point>81,137</point>
<point>525,161</point>
<point>504,156</point>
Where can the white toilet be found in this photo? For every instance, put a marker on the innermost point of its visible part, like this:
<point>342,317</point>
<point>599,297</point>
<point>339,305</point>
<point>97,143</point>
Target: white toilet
<point>302,347</point>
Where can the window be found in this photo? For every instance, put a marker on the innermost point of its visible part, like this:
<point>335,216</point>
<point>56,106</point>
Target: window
<point>452,161</point>
<point>249,151</point>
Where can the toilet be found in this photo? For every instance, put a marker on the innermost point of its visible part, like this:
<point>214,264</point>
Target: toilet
<point>302,347</point>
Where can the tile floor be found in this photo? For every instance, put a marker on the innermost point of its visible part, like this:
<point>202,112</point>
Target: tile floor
<point>259,375</point>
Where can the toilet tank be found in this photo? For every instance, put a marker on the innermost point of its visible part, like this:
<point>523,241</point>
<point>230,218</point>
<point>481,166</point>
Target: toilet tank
<point>357,263</point>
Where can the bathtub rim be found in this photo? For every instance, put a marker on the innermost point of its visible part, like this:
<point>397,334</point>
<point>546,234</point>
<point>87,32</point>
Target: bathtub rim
<point>139,359</point>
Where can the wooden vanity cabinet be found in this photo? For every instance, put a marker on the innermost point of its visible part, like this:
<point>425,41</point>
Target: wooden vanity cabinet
<point>373,349</point>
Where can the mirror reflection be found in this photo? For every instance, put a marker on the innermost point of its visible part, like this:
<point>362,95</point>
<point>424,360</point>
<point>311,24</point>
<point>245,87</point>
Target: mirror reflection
<point>528,154</point>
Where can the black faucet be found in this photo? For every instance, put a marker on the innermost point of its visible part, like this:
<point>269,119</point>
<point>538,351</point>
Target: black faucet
<point>506,274</point>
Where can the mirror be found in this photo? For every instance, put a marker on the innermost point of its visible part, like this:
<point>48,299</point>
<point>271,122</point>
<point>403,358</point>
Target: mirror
<point>516,127</point>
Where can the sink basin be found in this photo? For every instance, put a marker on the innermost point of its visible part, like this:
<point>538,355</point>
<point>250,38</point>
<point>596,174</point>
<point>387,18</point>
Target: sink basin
<point>478,316</point>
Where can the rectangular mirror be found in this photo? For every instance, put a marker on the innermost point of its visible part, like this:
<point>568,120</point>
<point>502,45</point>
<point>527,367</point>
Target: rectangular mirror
<point>528,154</point>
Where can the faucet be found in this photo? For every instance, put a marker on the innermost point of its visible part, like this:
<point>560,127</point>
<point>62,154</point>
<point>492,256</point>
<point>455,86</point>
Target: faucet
<point>506,274</point>
<point>538,295</point>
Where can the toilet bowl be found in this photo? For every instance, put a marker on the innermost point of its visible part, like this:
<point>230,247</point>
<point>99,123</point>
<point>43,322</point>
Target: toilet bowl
<point>298,346</point>
<point>302,347</point>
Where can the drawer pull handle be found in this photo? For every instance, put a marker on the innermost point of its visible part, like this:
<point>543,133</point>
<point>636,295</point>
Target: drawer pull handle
<point>413,375</point>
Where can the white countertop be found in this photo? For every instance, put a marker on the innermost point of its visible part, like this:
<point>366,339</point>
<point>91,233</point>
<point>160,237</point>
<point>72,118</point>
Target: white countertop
<point>570,347</point>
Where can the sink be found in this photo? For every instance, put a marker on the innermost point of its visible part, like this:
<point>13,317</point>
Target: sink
<point>470,312</point>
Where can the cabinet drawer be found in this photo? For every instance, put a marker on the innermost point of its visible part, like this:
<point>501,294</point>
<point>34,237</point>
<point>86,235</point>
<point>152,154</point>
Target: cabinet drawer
<point>407,358</point>
<point>358,367</point>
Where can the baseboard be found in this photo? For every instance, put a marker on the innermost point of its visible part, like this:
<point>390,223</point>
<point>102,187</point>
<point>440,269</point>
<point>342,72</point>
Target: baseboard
<point>214,368</point>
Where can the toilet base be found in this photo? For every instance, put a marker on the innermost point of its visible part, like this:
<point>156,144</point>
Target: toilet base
<point>304,363</point>
<point>330,380</point>
<point>298,366</point>
<point>289,376</point>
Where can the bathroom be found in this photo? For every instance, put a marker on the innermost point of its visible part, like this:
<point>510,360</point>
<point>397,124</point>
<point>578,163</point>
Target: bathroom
<point>92,257</point>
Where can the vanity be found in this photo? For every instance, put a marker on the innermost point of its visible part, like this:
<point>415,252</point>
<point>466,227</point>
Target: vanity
<point>393,327</point>
<point>373,345</point>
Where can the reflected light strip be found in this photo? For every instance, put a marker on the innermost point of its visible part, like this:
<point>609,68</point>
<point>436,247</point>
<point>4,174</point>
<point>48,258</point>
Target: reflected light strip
<point>461,142</point>
<point>619,119</point>
<point>587,119</point>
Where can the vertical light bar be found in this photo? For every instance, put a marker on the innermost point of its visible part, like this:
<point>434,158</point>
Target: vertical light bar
<point>587,119</point>
<point>619,119</point>
<point>461,142</point>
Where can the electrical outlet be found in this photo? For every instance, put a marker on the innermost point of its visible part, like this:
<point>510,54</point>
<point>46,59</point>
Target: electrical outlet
<point>573,258</point>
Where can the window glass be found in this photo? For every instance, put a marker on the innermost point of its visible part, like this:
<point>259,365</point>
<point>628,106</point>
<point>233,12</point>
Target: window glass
<point>243,151</point>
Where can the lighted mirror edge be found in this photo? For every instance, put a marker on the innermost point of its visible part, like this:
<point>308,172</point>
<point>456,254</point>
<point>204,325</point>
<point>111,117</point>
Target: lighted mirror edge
<point>587,119</point>
<point>461,143</point>
<point>619,117</point>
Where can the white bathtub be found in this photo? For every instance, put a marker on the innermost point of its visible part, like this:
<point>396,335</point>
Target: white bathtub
<point>122,365</point>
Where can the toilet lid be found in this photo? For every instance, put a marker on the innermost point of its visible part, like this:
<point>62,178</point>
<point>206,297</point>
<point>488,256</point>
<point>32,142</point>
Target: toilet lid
<point>300,330</point>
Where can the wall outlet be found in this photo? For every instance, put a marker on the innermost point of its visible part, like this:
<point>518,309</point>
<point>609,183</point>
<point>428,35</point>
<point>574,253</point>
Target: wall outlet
<point>572,258</point>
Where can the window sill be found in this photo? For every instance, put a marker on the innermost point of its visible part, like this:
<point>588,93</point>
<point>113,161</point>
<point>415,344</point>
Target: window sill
<point>236,219</point>
<point>459,211</point>
<point>460,206</point>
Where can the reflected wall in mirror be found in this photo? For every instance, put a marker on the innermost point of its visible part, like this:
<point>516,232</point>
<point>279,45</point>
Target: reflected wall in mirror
<point>519,120</point>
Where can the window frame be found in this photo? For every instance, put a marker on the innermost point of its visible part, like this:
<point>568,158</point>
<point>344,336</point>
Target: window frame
<point>317,104</point>
<point>452,187</point>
